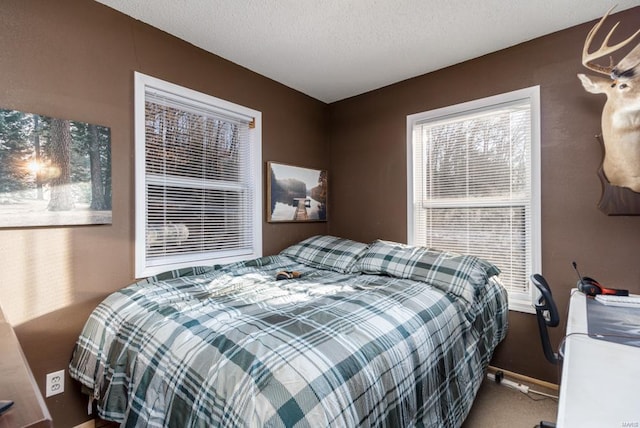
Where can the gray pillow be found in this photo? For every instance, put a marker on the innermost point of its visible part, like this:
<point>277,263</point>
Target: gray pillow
<point>461,275</point>
<point>326,252</point>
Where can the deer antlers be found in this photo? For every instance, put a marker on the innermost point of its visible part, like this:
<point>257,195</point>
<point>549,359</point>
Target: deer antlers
<point>621,113</point>
<point>626,65</point>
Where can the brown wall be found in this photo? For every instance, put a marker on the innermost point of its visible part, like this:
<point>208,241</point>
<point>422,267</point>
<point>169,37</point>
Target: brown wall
<point>368,161</point>
<point>75,59</point>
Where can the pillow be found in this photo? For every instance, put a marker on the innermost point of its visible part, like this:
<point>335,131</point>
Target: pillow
<point>326,252</point>
<point>461,275</point>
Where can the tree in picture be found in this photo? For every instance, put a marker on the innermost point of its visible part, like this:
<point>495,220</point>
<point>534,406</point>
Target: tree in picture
<point>53,171</point>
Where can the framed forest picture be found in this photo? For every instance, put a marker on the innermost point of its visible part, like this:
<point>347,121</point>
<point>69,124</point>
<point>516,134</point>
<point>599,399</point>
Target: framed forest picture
<point>53,172</point>
<point>296,194</point>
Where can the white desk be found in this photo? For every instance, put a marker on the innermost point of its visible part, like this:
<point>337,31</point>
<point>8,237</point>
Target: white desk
<point>600,385</point>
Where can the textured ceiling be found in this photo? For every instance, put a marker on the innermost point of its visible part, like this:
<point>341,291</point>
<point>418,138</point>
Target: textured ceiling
<point>335,49</point>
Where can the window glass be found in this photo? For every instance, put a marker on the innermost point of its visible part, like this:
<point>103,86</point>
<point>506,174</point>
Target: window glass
<point>198,180</point>
<point>474,184</point>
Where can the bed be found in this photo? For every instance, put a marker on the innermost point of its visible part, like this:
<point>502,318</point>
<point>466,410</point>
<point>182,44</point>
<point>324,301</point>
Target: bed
<point>372,335</point>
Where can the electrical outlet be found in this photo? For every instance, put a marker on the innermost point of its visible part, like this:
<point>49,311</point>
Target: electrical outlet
<point>55,383</point>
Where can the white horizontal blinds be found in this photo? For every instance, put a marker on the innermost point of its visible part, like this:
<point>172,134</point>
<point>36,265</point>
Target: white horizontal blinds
<point>472,187</point>
<point>199,185</point>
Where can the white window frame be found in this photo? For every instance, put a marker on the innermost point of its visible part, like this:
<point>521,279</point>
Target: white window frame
<point>143,84</point>
<point>518,301</point>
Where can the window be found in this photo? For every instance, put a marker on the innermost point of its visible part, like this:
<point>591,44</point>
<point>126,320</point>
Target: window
<point>198,178</point>
<point>474,184</point>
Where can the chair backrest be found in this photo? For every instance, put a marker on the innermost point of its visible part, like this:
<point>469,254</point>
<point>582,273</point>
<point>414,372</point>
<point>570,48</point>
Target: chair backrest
<point>547,315</point>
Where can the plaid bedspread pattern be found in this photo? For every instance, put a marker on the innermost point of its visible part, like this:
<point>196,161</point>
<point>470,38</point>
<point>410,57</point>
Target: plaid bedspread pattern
<point>327,252</point>
<point>462,275</point>
<point>232,347</point>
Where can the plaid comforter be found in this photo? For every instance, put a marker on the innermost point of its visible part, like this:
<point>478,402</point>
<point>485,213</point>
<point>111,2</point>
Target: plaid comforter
<point>230,346</point>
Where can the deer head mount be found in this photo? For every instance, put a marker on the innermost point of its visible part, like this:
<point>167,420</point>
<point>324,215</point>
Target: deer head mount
<point>621,112</point>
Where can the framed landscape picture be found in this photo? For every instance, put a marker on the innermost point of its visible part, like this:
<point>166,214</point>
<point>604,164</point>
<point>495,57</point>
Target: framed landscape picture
<point>53,172</point>
<point>296,194</point>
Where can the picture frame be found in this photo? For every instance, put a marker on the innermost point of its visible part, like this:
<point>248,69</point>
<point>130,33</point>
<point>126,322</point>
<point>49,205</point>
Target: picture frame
<point>55,172</point>
<point>296,194</point>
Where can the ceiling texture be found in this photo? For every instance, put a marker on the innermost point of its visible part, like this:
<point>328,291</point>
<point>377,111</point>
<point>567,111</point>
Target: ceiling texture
<point>336,49</point>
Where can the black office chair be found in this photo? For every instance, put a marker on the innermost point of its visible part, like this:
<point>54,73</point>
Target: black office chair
<point>547,315</point>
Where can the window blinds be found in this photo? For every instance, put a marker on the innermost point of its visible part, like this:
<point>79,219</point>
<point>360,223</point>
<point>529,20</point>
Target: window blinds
<point>198,176</point>
<point>472,187</point>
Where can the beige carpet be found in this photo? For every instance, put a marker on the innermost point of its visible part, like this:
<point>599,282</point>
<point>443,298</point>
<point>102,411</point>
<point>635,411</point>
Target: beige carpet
<point>498,406</point>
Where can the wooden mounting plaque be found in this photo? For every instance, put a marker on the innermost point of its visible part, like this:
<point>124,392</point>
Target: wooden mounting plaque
<point>616,200</point>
